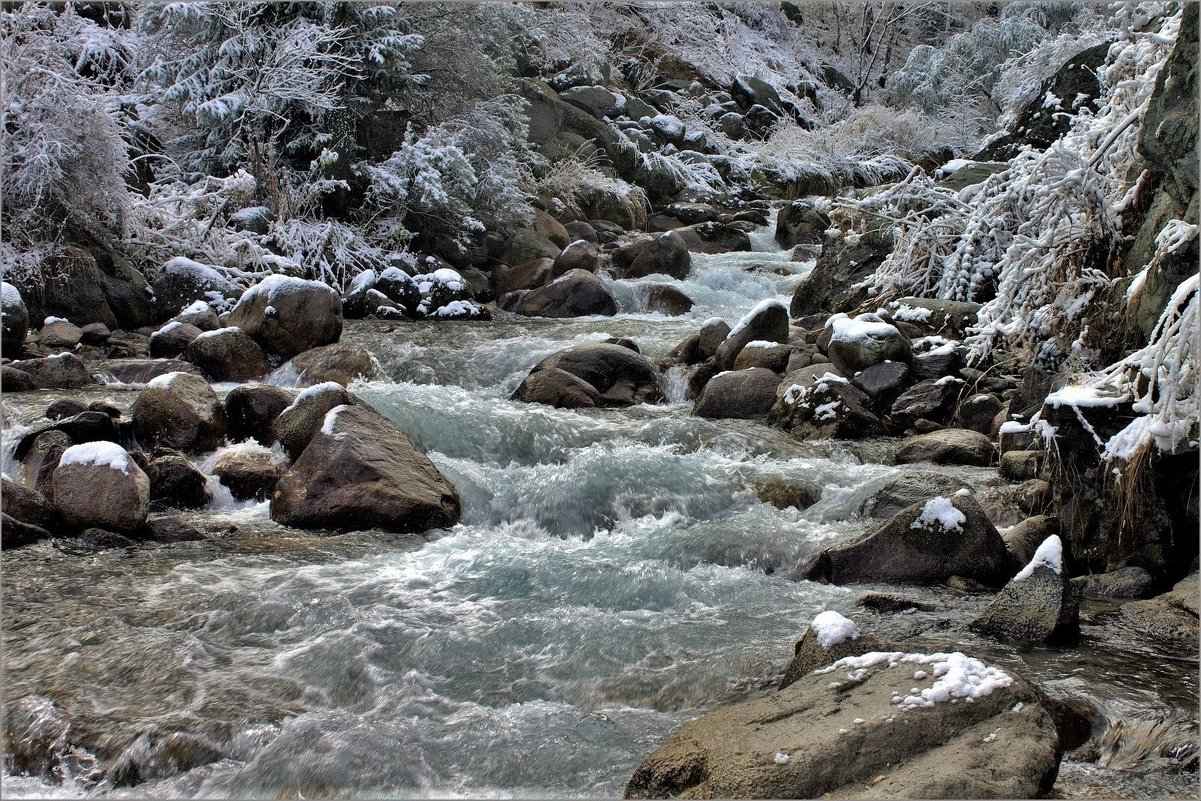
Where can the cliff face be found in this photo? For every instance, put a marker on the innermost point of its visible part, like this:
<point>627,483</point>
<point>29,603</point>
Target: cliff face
<point>1168,151</point>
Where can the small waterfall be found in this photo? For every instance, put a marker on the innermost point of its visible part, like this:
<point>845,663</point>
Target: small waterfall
<point>675,384</point>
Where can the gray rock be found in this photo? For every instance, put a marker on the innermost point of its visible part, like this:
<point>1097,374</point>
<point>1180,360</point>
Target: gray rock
<point>915,546</point>
<point>341,363</point>
<point>805,377</point>
<point>666,254</point>
<point>250,472</point>
<point>180,282</point>
<point>575,294</point>
<point>950,446</point>
<point>287,316</point>
<point>94,494</point>
<point>551,229</point>
<point>1036,606</point>
<point>64,371</point>
<point>18,533</point>
<point>713,332</point>
<point>883,382</point>
<point>908,489</point>
<point>176,483</point>
<point>27,505</point>
<point>927,400</point>
<point>800,223</point>
<point>94,334</point>
<point>14,380</point>
<point>1024,538</point>
<point>596,100</point>
<point>60,335</point>
<point>1019,466</point>
<point>784,493</point>
<point>359,471</point>
<point>826,410</point>
<point>1126,582</point>
<point>179,411</point>
<point>866,340</point>
<point>809,654</point>
<point>936,363</point>
<point>1170,617</point>
<point>621,376</point>
<point>668,300</point>
<point>200,315</point>
<point>525,245</point>
<point>978,413</point>
<point>250,411</point>
<point>65,407</point>
<point>559,388</point>
<point>296,425</point>
<point>579,229</point>
<point>767,322</point>
<point>143,371</point>
<point>172,340</point>
<point>578,255</point>
<point>14,320</point>
<point>228,354</point>
<point>831,284</point>
<point>40,459</point>
<point>717,237</point>
<point>950,318</point>
<point>774,358</point>
<point>824,736</point>
<point>530,275</point>
<point>746,394</point>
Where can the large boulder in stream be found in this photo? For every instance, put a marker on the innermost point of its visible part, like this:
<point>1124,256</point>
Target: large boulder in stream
<point>179,411</point>
<point>666,254</point>
<point>574,294</point>
<point>287,316</point>
<point>879,724</point>
<point>949,446</point>
<point>620,376</point>
<point>296,424</point>
<point>251,409</point>
<point>767,322</point>
<point>228,354</point>
<point>63,371</point>
<point>744,394</point>
<point>340,362</point>
<point>864,341</point>
<point>359,471</point>
<point>1037,605</point>
<point>559,388</point>
<point>927,542</point>
<point>97,484</point>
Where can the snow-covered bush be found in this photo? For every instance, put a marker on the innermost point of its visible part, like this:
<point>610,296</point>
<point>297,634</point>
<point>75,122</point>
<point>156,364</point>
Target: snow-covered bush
<point>64,152</point>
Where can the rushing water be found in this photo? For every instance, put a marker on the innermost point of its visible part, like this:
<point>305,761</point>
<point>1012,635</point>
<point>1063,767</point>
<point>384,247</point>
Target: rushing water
<point>613,576</point>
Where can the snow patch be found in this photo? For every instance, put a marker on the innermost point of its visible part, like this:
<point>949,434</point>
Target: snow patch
<point>956,675</point>
<point>1048,554</point>
<point>9,294</point>
<point>97,454</point>
<point>940,510</point>
<point>832,628</point>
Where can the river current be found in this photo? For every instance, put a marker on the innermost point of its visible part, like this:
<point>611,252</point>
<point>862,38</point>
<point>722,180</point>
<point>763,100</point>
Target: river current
<point>613,576</point>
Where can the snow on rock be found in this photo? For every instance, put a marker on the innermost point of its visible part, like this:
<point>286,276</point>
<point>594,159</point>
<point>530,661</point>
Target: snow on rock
<point>748,318</point>
<point>940,510</point>
<point>1082,397</point>
<point>181,265</point>
<point>314,391</point>
<point>97,454</point>
<point>1049,554</point>
<point>9,294</point>
<point>832,628</point>
<point>911,314</point>
<point>956,675</point>
<point>164,381</point>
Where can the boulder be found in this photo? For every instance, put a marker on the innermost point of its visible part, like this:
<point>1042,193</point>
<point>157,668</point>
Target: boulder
<point>40,459</point>
<point>935,358</point>
<point>143,371</point>
<point>978,412</point>
<point>785,493</point>
<point>64,371</point>
<point>579,255</point>
<point>176,483</point>
<point>937,316</point>
<point>830,637</point>
<point>949,446</point>
<point>1019,466</point>
<point>581,230</point>
<point>399,290</point>
<point>596,100</point>
<point>830,408</point>
<point>575,294</point>
<point>767,322</point>
<point>97,484</point>
<point>181,281</point>
<point>805,377</point>
<point>622,377</point>
<point>65,407</point>
<point>861,342</point>
<point>14,380</point>
<point>228,354</point>
<point>668,300</point>
<point>666,254</point>
<point>179,411</point>
<point>745,394</point>
<point>693,213</point>
<point>249,472</point>
<point>559,388</point>
<point>14,320</point>
<point>713,332</point>
<point>551,229</point>
<point>908,489</point>
<point>59,335</point>
<point>27,505</point>
<point>827,736</point>
<point>769,355</point>
<point>359,471</point>
<point>883,383</point>
<point>251,409</point>
<point>800,223</point>
<point>1170,617</point>
<point>85,426</point>
<point>717,237</point>
<point>1024,538</point>
<point>341,363</point>
<point>833,283</point>
<point>526,245</point>
<point>199,314</point>
<point>530,275</point>
<point>90,286</point>
<point>1037,605</point>
<point>173,339</point>
<point>296,424</point>
<point>928,400</point>
<point>94,334</point>
<point>1126,582</point>
<point>287,316</point>
<point>17,533</point>
<point>924,543</point>
<point>169,530</point>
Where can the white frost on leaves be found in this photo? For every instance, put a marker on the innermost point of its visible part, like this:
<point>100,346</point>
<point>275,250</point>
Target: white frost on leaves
<point>1049,554</point>
<point>940,510</point>
<point>832,628</point>
<point>956,675</point>
<point>97,454</point>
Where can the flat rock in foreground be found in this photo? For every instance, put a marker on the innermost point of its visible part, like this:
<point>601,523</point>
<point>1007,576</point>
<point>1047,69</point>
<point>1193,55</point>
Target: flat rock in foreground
<point>880,725</point>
